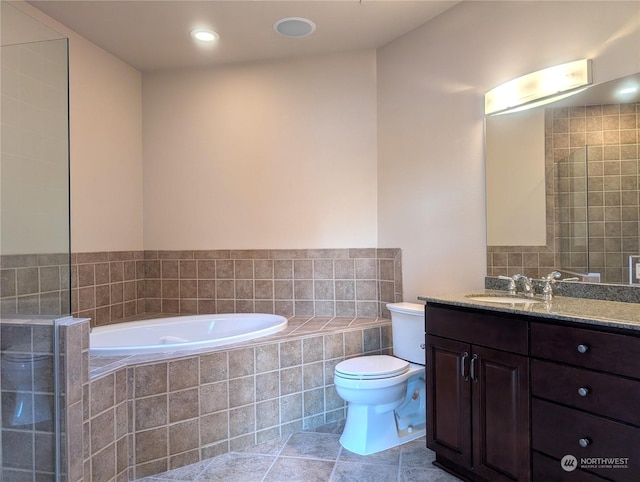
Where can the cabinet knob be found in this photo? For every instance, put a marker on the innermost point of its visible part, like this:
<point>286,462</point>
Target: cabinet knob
<point>583,391</point>
<point>584,442</point>
<point>583,348</point>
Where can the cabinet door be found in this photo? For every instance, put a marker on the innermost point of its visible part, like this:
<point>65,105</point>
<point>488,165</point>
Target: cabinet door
<point>448,406</point>
<point>500,405</point>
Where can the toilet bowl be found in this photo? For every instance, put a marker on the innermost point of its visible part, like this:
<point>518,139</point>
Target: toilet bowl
<point>386,395</point>
<point>18,371</point>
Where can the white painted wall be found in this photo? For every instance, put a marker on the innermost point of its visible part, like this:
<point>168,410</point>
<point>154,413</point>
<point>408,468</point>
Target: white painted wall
<point>322,188</point>
<point>431,82</point>
<point>105,145</point>
<point>262,155</point>
<point>106,151</point>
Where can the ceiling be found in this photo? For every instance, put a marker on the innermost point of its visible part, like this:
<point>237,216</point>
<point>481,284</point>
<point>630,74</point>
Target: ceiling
<point>154,35</point>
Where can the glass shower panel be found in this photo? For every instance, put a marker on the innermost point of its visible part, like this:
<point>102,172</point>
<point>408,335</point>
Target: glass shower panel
<point>571,212</point>
<point>34,242</point>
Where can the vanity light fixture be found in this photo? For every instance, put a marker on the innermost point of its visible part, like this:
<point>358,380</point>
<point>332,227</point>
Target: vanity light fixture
<point>204,35</point>
<point>539,88</point>
<point>628,90</point>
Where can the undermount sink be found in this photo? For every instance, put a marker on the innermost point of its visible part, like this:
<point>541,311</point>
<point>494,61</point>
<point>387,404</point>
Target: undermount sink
<point>506,299</point>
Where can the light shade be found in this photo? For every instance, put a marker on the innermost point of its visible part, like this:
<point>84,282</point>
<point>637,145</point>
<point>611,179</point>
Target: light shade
<point>538,88</point>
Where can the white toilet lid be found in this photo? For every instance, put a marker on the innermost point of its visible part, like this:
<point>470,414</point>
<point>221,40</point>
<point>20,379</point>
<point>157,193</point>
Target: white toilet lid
<point>371,367</point>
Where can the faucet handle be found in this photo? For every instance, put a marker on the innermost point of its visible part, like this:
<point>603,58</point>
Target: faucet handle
<point>549,281</point>
<point>512,283</point>
<point>554,275</point>
<point>527,284</point>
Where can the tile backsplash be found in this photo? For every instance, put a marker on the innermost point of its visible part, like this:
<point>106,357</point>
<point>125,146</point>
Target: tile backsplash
<point>107,286</point>
<point>34,284</point>
<point>113,286</point>
<point>332,282</point>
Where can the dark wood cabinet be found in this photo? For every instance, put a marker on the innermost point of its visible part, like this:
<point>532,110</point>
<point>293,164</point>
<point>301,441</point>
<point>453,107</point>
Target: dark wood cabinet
<point>585,387</point>
<point>517,397</point>
<point>449,400</point>
<point>500,408</point>
<point>478,393</point>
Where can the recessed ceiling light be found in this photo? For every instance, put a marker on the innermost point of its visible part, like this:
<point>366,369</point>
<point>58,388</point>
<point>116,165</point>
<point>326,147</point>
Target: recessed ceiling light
<point>204,35</point>
<point>294,27</point>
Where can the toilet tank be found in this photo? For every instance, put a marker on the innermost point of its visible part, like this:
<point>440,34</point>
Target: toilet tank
<point>407,326</point>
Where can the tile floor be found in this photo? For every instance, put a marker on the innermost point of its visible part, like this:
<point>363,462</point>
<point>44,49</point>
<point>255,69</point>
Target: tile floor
<point>313,457</point>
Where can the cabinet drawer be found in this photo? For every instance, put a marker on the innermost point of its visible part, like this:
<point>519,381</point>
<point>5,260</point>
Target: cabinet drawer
<point>603,394</point>
<point>545,469</point>
<point>557,431</point>
<point>484,328</point>
<point>607,352</point>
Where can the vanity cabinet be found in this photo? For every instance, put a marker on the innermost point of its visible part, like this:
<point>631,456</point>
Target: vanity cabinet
<point>510,395</point>
<point>478,393</point>
<point>585,386</point>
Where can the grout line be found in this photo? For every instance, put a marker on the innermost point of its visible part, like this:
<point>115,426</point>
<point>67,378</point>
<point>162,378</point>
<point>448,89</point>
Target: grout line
<point>277,456</point>
<point>400,464</point>
<point>335,465</point>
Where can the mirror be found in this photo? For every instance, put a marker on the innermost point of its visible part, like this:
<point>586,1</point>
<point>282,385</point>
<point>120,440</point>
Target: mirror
<point>563,186</point>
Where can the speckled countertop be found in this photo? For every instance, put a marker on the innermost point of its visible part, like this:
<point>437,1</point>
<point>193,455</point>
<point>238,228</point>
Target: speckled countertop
<point>614,314</point>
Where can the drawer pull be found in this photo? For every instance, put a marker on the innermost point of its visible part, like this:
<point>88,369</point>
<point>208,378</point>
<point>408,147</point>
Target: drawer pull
<point>584,442</point>
<point>583,391</point>
<point>583,348</point>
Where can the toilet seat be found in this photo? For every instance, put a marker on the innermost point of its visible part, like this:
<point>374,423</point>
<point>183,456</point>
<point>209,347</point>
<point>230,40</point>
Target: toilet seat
<point>373,367</point>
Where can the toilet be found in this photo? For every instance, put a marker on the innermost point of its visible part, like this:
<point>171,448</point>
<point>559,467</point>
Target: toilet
<point>18,370</point>
<point>386,395</point>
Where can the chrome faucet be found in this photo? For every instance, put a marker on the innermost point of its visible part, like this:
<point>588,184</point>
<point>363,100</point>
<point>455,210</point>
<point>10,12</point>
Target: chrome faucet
<point>548,282</point>
<point>512,284</point>
<point>527,285</point>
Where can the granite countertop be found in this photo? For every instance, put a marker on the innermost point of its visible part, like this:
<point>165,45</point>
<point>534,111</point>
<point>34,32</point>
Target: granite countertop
<point>614,314</point>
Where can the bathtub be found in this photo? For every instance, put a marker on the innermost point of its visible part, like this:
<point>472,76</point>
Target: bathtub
<point>164,335</point>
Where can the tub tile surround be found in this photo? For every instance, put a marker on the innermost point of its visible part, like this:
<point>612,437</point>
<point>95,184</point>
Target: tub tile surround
<point>612,134</point>
<point>332,282</point>
<point>116,286</point>
<point>34,284</point>
<point>28,449</point>
<point>109,287</point>
<point>132,417</point>
<point>137,416</point>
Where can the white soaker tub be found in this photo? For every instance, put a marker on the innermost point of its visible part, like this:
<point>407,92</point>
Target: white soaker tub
<point>163,335</point>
